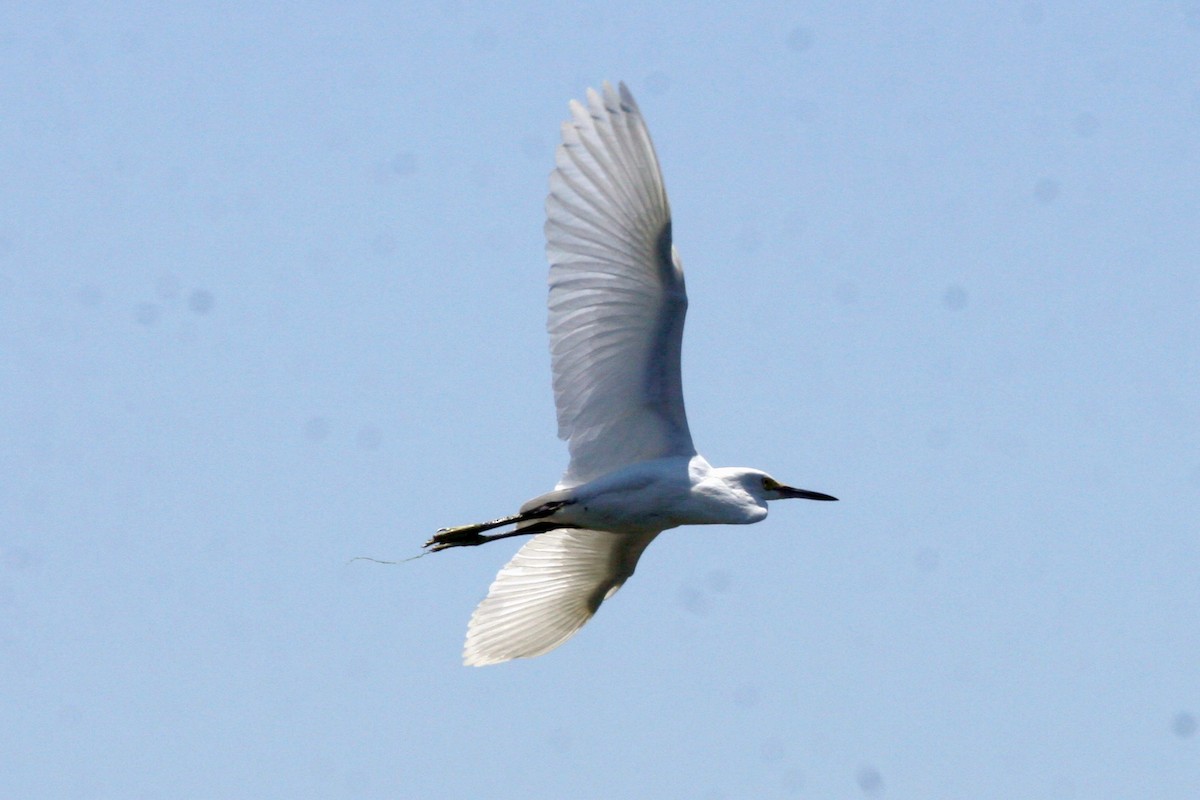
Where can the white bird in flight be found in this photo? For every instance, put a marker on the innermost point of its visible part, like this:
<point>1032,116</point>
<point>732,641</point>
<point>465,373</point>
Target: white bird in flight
<point>617,303</point>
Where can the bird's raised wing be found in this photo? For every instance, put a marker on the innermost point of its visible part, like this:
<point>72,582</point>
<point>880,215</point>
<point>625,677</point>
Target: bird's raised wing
<point>552,586</point>
<point>617,297</point>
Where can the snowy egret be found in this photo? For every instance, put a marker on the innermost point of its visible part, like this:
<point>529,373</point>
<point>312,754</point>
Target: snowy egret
<point>617,304</point>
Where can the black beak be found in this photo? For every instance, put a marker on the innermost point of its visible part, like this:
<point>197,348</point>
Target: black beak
<point>802,494</point>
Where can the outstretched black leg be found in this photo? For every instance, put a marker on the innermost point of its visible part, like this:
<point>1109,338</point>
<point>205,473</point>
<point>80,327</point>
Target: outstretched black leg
<point>472,535</point>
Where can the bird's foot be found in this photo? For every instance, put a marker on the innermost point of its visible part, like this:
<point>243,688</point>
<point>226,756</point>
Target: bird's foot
<point>465,536</point>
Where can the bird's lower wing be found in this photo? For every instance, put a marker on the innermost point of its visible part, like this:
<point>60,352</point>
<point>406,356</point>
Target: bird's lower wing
<point>551,587</point>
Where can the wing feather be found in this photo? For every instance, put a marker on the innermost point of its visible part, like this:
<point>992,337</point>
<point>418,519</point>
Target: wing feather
<point>550,588</point>
<point>617,295</point>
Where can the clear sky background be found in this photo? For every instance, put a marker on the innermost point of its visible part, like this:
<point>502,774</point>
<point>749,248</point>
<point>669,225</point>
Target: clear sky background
<point>272,292</point>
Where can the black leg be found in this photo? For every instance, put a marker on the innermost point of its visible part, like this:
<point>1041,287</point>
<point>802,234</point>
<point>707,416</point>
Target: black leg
<point>472,535</point>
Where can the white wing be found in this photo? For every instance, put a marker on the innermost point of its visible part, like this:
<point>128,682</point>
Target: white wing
<point>617,297</point>
<point>552,586</point>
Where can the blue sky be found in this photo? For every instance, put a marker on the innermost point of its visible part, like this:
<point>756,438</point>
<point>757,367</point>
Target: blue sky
<point>272,293</point>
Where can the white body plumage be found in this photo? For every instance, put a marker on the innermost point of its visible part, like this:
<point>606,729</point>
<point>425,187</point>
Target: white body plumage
<point>653,496</point>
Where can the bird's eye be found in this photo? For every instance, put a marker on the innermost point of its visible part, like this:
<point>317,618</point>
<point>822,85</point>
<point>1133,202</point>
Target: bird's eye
<point>770,484</point>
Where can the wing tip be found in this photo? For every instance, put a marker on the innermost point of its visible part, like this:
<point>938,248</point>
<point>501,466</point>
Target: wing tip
<point>474,658</point>
<point>606,98</point>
